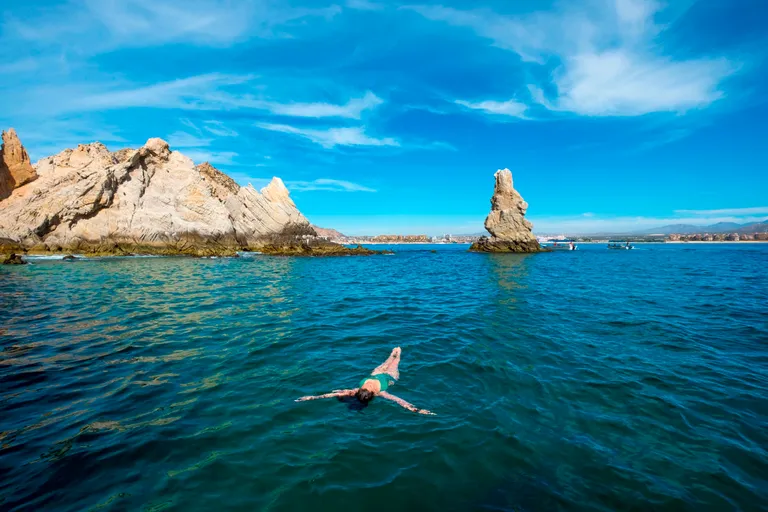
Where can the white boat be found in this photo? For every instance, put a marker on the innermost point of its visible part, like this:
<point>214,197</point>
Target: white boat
<point>620,244</point>
<point>560,245</point>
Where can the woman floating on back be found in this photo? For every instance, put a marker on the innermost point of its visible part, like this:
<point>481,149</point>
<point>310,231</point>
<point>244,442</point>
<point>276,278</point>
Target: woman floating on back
<point>377,384</point>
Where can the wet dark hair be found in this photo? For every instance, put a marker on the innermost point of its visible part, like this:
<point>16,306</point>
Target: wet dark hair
<point>364,395</point>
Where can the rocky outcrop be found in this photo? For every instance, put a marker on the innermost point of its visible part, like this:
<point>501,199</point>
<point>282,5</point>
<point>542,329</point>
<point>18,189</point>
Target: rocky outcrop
<point>15,168</point>
<point>149,199</point>
<point>13,259</point>
<point>510,231</point>
<point>317,249</point>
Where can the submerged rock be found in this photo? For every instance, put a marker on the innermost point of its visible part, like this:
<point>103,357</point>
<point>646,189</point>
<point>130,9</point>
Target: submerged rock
<point>14,259</point>
<point>316,249</point>
<point>510,230</point>
<point>15,168</point>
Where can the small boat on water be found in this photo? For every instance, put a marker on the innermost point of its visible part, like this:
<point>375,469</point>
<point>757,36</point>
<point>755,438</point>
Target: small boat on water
<point>560,245</point>
<point>620,244</point>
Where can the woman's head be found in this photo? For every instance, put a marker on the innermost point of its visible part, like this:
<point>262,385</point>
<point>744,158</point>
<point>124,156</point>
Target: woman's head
<point>364,395</point>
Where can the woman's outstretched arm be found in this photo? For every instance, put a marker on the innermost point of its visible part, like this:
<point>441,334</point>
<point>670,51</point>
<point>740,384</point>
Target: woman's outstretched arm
<point>336,393</point>
<point>405,404</point>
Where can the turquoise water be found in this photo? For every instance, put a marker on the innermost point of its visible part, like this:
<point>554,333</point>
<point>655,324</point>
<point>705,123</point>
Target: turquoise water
<point>587,380</point>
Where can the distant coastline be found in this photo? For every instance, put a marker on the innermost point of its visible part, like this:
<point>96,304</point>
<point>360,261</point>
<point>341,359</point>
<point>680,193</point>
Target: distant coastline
<point>601,242</point>
<point>363,242</point>
<point>716,241</point>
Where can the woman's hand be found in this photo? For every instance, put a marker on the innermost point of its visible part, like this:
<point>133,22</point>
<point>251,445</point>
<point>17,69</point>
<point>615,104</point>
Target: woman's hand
<point>405,404</point>
<point>304,399</point>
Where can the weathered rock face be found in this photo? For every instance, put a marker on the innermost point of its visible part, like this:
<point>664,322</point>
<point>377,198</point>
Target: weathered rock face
<point>222,186</point>
<point>15,168</point>
<point>91,200</point>
<point>510,231</point>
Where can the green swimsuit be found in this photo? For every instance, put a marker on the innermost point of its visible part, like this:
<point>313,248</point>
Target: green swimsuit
<point>383,378</point>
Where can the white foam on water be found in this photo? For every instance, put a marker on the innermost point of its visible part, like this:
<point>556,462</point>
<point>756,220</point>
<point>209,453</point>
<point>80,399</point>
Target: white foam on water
<point>52,257</point>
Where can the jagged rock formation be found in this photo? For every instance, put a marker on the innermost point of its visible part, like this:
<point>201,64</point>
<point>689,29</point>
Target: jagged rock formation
<point>15,168</point>
<point>13,259</point>
<point>147,200</point>
<point>510,231</point>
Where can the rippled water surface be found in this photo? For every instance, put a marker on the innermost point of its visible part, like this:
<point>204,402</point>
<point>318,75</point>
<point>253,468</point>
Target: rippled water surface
<point>592,380</point>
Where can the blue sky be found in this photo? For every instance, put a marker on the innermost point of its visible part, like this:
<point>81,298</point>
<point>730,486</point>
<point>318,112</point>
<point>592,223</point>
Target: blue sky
<point>393,117</point>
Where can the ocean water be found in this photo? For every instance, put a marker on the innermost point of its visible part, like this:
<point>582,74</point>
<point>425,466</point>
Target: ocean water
<point>587,380</point>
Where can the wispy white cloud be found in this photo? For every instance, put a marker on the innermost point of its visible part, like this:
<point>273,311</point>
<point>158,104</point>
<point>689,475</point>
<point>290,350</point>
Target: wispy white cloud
<point>329,185</point>
<point>662,138</point>
<point>332,137</point>
<point>42,139</point>
<point>219,129</point>
<point>200,146</point>
<point>364,5</point>
<point>207,92</point>
<point>509,108</point>
<point>206,128</point>
<point>146,22</point>
<point>214,157</point>
<point>611,62</point>
<point>520,35</point>
<point>94,26</point>
<point>757,210</point>
<point>317,185</point>
<point>352,109</point>
<point>202,92</point>
<point>437,145</point>
<point>623,83</point>
<point>186,140</point>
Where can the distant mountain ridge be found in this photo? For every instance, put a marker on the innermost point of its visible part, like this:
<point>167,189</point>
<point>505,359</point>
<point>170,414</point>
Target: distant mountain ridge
<point>330,234</point>
<point>720,227</point>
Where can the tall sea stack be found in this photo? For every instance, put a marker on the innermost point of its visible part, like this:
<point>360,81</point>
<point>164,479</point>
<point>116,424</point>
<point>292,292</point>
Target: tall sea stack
<point>510,231</point>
